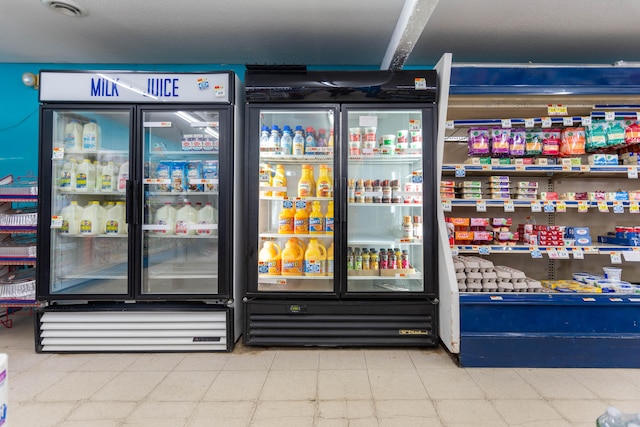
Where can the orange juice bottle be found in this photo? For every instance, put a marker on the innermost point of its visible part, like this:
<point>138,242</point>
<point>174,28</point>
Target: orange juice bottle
<point>269,259</point>
<point>324,188</point>
<point>306,187</point>
<point>301,218</point>
<point>315,258</point>
<point>292,259</point>
<point>328,218</point>
<point>266,180</point>
<point>286,218</point>
<point>316,219</point>
<point>280,180</point>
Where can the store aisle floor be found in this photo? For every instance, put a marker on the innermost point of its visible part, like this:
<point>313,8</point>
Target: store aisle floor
<point>297,387</point>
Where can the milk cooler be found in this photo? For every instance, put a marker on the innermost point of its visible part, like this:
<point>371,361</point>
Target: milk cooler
<point>341,237</point>
<point>138,189</point>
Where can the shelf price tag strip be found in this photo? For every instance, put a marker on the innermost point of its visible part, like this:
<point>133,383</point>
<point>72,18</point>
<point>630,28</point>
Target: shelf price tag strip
<point>616,258</point>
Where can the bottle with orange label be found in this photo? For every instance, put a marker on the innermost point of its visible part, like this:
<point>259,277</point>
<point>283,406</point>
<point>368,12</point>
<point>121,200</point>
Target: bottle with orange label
<point>324,187</point>
<point>292,259</point>
<point>315,258</point>
<point>286,218</point>
<point>280,180</point>
<point>269,259</point>
<point>306,187</point>
<point>316,219</point>
<point>328,218</point>
<point>301,218</point>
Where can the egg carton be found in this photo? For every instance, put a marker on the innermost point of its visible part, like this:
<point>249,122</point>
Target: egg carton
<point>462,285</point>
<point>483,264</point>
<point>509,272</point>
<point>489,285</point>
<point>474,285</point>
<point>458,265</point>
<point>534,285</point>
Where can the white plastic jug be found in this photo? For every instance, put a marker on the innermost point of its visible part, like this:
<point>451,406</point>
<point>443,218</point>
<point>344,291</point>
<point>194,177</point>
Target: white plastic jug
<point>166,217</point>
<point>91,137</point>
<point>123,177</point>
<point>207,220</point>
<point>115,220</point>
<point>92,219</point>
<point>85,176</point>
<point>186,219</point>
<point>71,216</point>
<point>73,136</point>
<point>67,179</point>
<point>108,178</point>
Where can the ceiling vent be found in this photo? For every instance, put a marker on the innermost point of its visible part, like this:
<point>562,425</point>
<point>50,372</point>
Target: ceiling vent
<point>65,7</point>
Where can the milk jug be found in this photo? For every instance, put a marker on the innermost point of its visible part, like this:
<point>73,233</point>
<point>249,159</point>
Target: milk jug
<point>269,262</point>
<point>123,177</point>
<point>91,137</point>
<point>71,215</point>
<point>207,218</point>
<point>98,173</point>
<point>92,219</point>
<point>315,258</point>
<point>165,216</point>
<point>85,176</point>
<point>68,175</point>
<point>115,220</point>
<point>292,259</point>
<point>73,136</point>
<point>185,219</point>
<point>108,178</point>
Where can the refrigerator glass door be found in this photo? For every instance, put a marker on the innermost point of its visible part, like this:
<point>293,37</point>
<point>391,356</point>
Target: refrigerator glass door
<point>89,248</point>
<point>384,201</point>
<point>296,200</point>
<point>181,154</point>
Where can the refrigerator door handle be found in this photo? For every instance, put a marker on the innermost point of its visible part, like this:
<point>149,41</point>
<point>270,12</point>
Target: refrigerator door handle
<point>344,202</point>
<point>132,197</point>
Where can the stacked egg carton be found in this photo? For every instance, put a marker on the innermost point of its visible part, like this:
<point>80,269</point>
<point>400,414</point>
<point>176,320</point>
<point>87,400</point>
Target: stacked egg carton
<point>475,274</point>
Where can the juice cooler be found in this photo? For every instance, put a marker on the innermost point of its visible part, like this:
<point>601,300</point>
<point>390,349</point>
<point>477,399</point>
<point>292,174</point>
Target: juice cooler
<point>136,212</point>
<point>341,207</point>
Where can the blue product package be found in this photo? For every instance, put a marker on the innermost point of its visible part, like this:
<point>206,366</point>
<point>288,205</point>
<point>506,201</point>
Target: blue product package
<point>163,172</point>
<point>178,177</point>
<point>210,175</point>
<point>194,176</point>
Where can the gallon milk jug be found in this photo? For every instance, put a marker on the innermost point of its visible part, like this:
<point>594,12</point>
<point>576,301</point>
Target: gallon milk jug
<point>71,216</point>
<point>115,220</point>
<point>108,178</point>
<point>185,219</point>
<point>166,217</point>
<point>207,219</point>
<point>67,180</point>
<point>123,177</point>
<point>85,176</point>
<point>92,219</point>
<point>315,258</point>
<point>97,167</point>
<point>73,136</point>
<point>269,262</point>
<point>4,389</point>
<point>292,259</point>
<point>91,137</point>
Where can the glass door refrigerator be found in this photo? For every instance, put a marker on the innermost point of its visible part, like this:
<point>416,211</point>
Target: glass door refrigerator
<point>136,223</point>
<point>341,219</point>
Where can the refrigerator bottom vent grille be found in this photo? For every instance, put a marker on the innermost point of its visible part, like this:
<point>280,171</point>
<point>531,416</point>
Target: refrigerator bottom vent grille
<point>113,331</point>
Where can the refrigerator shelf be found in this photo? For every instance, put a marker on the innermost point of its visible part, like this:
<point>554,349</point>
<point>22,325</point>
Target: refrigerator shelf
<point>93,193</point>
<point>181,193</point>
<point>182,153</point>
<point>85,236</point>
<point>386,158</point>
<point>275,280</point>
<point>411,205</point>
<point>101,151</point>
<point>386,243</point>
<point>281,199</point>
<point>285,159</point>
<point>276,235</point>
<point>184,236</point>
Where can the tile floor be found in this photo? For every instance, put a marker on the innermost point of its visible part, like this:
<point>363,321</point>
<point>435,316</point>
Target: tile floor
<point>261,387</point>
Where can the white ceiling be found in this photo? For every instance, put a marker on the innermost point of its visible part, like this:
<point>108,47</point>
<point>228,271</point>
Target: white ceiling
<point>321,32</point>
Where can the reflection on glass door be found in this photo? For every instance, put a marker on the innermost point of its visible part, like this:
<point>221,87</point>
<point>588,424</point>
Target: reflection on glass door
<point>384,201</point>
<point>296,200</point>
<point>181,201</point>
<point>90,159</point>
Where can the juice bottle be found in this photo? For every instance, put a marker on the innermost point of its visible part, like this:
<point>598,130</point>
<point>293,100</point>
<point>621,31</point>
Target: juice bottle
<point>310,142</point>
<point>115,220</point>
<point>72,139</point>
<point>321,140</point>
<point>315,258</point>
<point>357,260</point>
<point>269,259</point>
<point>286,218</point>
<point>305,184</point>
<point>330,260</point>
<point>274,137</point>
<point>298,141</point>
<point>324,188</point>
<point>206,218</point>
<point>280,180</point>
<point>330,142</point>
<point>166,217</point>
<point>316,219</point>
<point>67,180</point>
<point>350,259</point>
<point>71,216</point>
<point>292,259</point>
<point>91,137</point>
<point>286,141</point>
<point>328,218</point>
<point>373,262</point>
<point>301,218</point>
<point>185,219</point>
<point>266,179</point>
<point>92,219</point>
<point>85,176</point>
<point>264,136</point>
<point>366,259</point>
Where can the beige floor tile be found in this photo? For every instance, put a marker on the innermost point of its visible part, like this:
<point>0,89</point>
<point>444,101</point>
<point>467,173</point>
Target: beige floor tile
<point>364,422</point>
<point>405,408</point>
<point>294,413</point>
<point>203,362</point>
<point>396,384</point>
<point>39,414</point>
<point>388,359</point>
<point>296,360</point>
<point>409,422</point>
<point>92,411</point>
<point>228,410</point>
<point>236,386</point>
<point>555,384</point>
<point>129,386</point>
<point>502,384</point>
<point>345,409</point>
<point>468,412</point>
<point>579,411</point>
<point>343,384</point>
<point>23,360</point>
<point>607,385</point>
<point>293,385</point>
<point>332,422</point>
<point>342,359</point>
<point>63,362</point>
<point>255,360</point>
<point>450,384</point>
<point>156,410</point>
<point>627,406</point>
<point>156,362</point>
<point>25,386</point>
<point>218,422</point>
<point>94,423</point>
<point>522,412</point>
<point>156,422</point>
<point>75,386</point>
<point>183,386</point>
<point>109,362</point>
<point>432,358</point>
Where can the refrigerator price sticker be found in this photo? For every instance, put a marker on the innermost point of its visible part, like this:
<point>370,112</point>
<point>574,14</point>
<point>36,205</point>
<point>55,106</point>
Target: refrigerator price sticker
<point>634,207</point>
<point>632,172</point>
<point>506,123</point>
<point>536,207</point>
<point>56,221</point>
<point>268,238</point>
<point>367,151</point>
<point>368,121</point>
<point>508,206</point>
<point>420,83</point>
<point>618,207</point>
<point>218,91</point>
<point>546,122</point>
<point>415,125</point>
<point>269,149</point>
<point>577,253</point>
<point>561,206</point>
<point>585,168</point>
<point>520,168</point>
<point>583,206</point>
<point>609,116</point>
<point>586,120</point>
<point>548,207</point>
<point>567,121</point>
<point>264,281</point>
<point>536,253</point>
<point>446,205</point>
<point>563,254</point>
<point>602,207</point>
<point>566,168</point>
<point>215,181</point>
<point>483,250</point>
<point>552,253</point>
<point>486,167</point>
<point>449,124</point>
<point>481,206</point>
<point>203,227</point>
<point>58,153</point>
<point>460,171</point>
<point>204,124</point>
<point>157,124</point>
<point>616,258</point>
<point>301,204</point>
<point>529,123</point>
<point>405,240</point>
<point>156,227</point>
